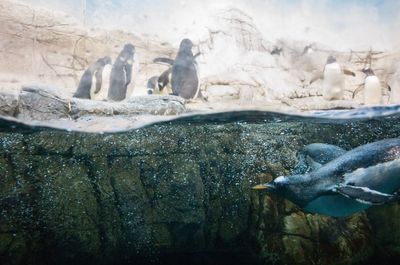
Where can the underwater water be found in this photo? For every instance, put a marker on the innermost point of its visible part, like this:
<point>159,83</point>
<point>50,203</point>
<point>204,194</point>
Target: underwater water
<point>180,192</point>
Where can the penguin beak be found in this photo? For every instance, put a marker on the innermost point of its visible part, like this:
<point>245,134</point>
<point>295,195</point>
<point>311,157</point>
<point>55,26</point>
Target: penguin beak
<point>264,186</point>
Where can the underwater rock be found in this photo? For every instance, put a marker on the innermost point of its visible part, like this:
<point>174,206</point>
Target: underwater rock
<point>169,191</point>
<point>385,222</point>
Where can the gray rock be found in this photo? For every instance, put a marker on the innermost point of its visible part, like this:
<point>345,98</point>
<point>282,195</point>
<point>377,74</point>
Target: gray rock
<point>44,104</point>
<point>8,103</point>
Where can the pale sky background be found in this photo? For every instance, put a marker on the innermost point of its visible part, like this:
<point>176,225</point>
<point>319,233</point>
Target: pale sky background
<point>356,24</point>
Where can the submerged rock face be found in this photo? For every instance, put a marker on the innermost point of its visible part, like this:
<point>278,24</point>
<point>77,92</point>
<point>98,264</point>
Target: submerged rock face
<point>172,193</point>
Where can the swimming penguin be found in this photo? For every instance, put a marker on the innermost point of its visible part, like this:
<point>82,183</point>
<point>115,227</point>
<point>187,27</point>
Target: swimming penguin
<point>121,74</point>
<point>313,156</point>
<point>184,76</point>
<point>372,88</point>
<point>367,175</point>
<point>94,79</point>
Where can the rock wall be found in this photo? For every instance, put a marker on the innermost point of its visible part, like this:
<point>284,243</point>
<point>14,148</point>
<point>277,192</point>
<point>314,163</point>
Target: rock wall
<point>48,47</point>
<point>236,67</point>
<point>173,194</point>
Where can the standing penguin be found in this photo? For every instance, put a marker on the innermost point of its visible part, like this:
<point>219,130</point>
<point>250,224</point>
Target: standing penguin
<point>395,90</point>
<point>157,84</point>
<point>309,60</point>
<point>333,83</point>
<point>121,74</point>
<point>184,75</point>
<point>372,88</point>
<point>92,81</point>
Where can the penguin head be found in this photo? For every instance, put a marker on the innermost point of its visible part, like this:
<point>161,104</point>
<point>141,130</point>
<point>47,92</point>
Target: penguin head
<point>331,59</point>
<point>368,71</point>
<point>308,49</point>
<point>278,185</point>
<point>129,48</point>
<point>186,45</point>
<point>289,187</point>
<point>107,60</point>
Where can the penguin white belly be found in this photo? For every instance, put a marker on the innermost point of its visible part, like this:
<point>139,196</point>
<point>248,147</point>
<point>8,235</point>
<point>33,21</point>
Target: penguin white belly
<point>382,177</point>
<point>93,87</point>
<point>372,91</point>
<point>333,83</point>
<point>105,84</point>
<point>335,205</point>
<point>198,78</point>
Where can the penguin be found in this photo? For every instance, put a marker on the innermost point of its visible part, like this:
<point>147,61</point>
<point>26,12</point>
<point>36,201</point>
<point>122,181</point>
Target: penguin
<point>313,156</point>
<point>184,75</point>
<point>372,88</point>
<point>121,74</point>
<point>152,84</point>
<point>99,90</point>
<point>157,84</point>
<point>365,176</point>
<point>333,80</point>
<point>164,81</point>
<point>395,90</point>
<point>393,83</point>
<point>308,49</point>
<point>94,79</point>
<point>276,51</point>
<point>309,60</point>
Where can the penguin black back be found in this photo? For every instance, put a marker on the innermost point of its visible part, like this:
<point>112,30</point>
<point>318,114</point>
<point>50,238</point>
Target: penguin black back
<point>121,74</point>
<point>184,80</point>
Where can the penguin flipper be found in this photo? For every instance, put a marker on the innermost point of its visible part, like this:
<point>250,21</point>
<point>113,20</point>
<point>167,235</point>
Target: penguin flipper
<point>313,156</point>
<point>164,60</point>
<point>358,89</point>
<point>348,72</point>
<point>365,195</point>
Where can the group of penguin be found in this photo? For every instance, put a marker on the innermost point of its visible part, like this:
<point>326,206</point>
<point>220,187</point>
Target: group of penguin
<point>104,81</point>
<point>333,82</point>
<point>333,86</point>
